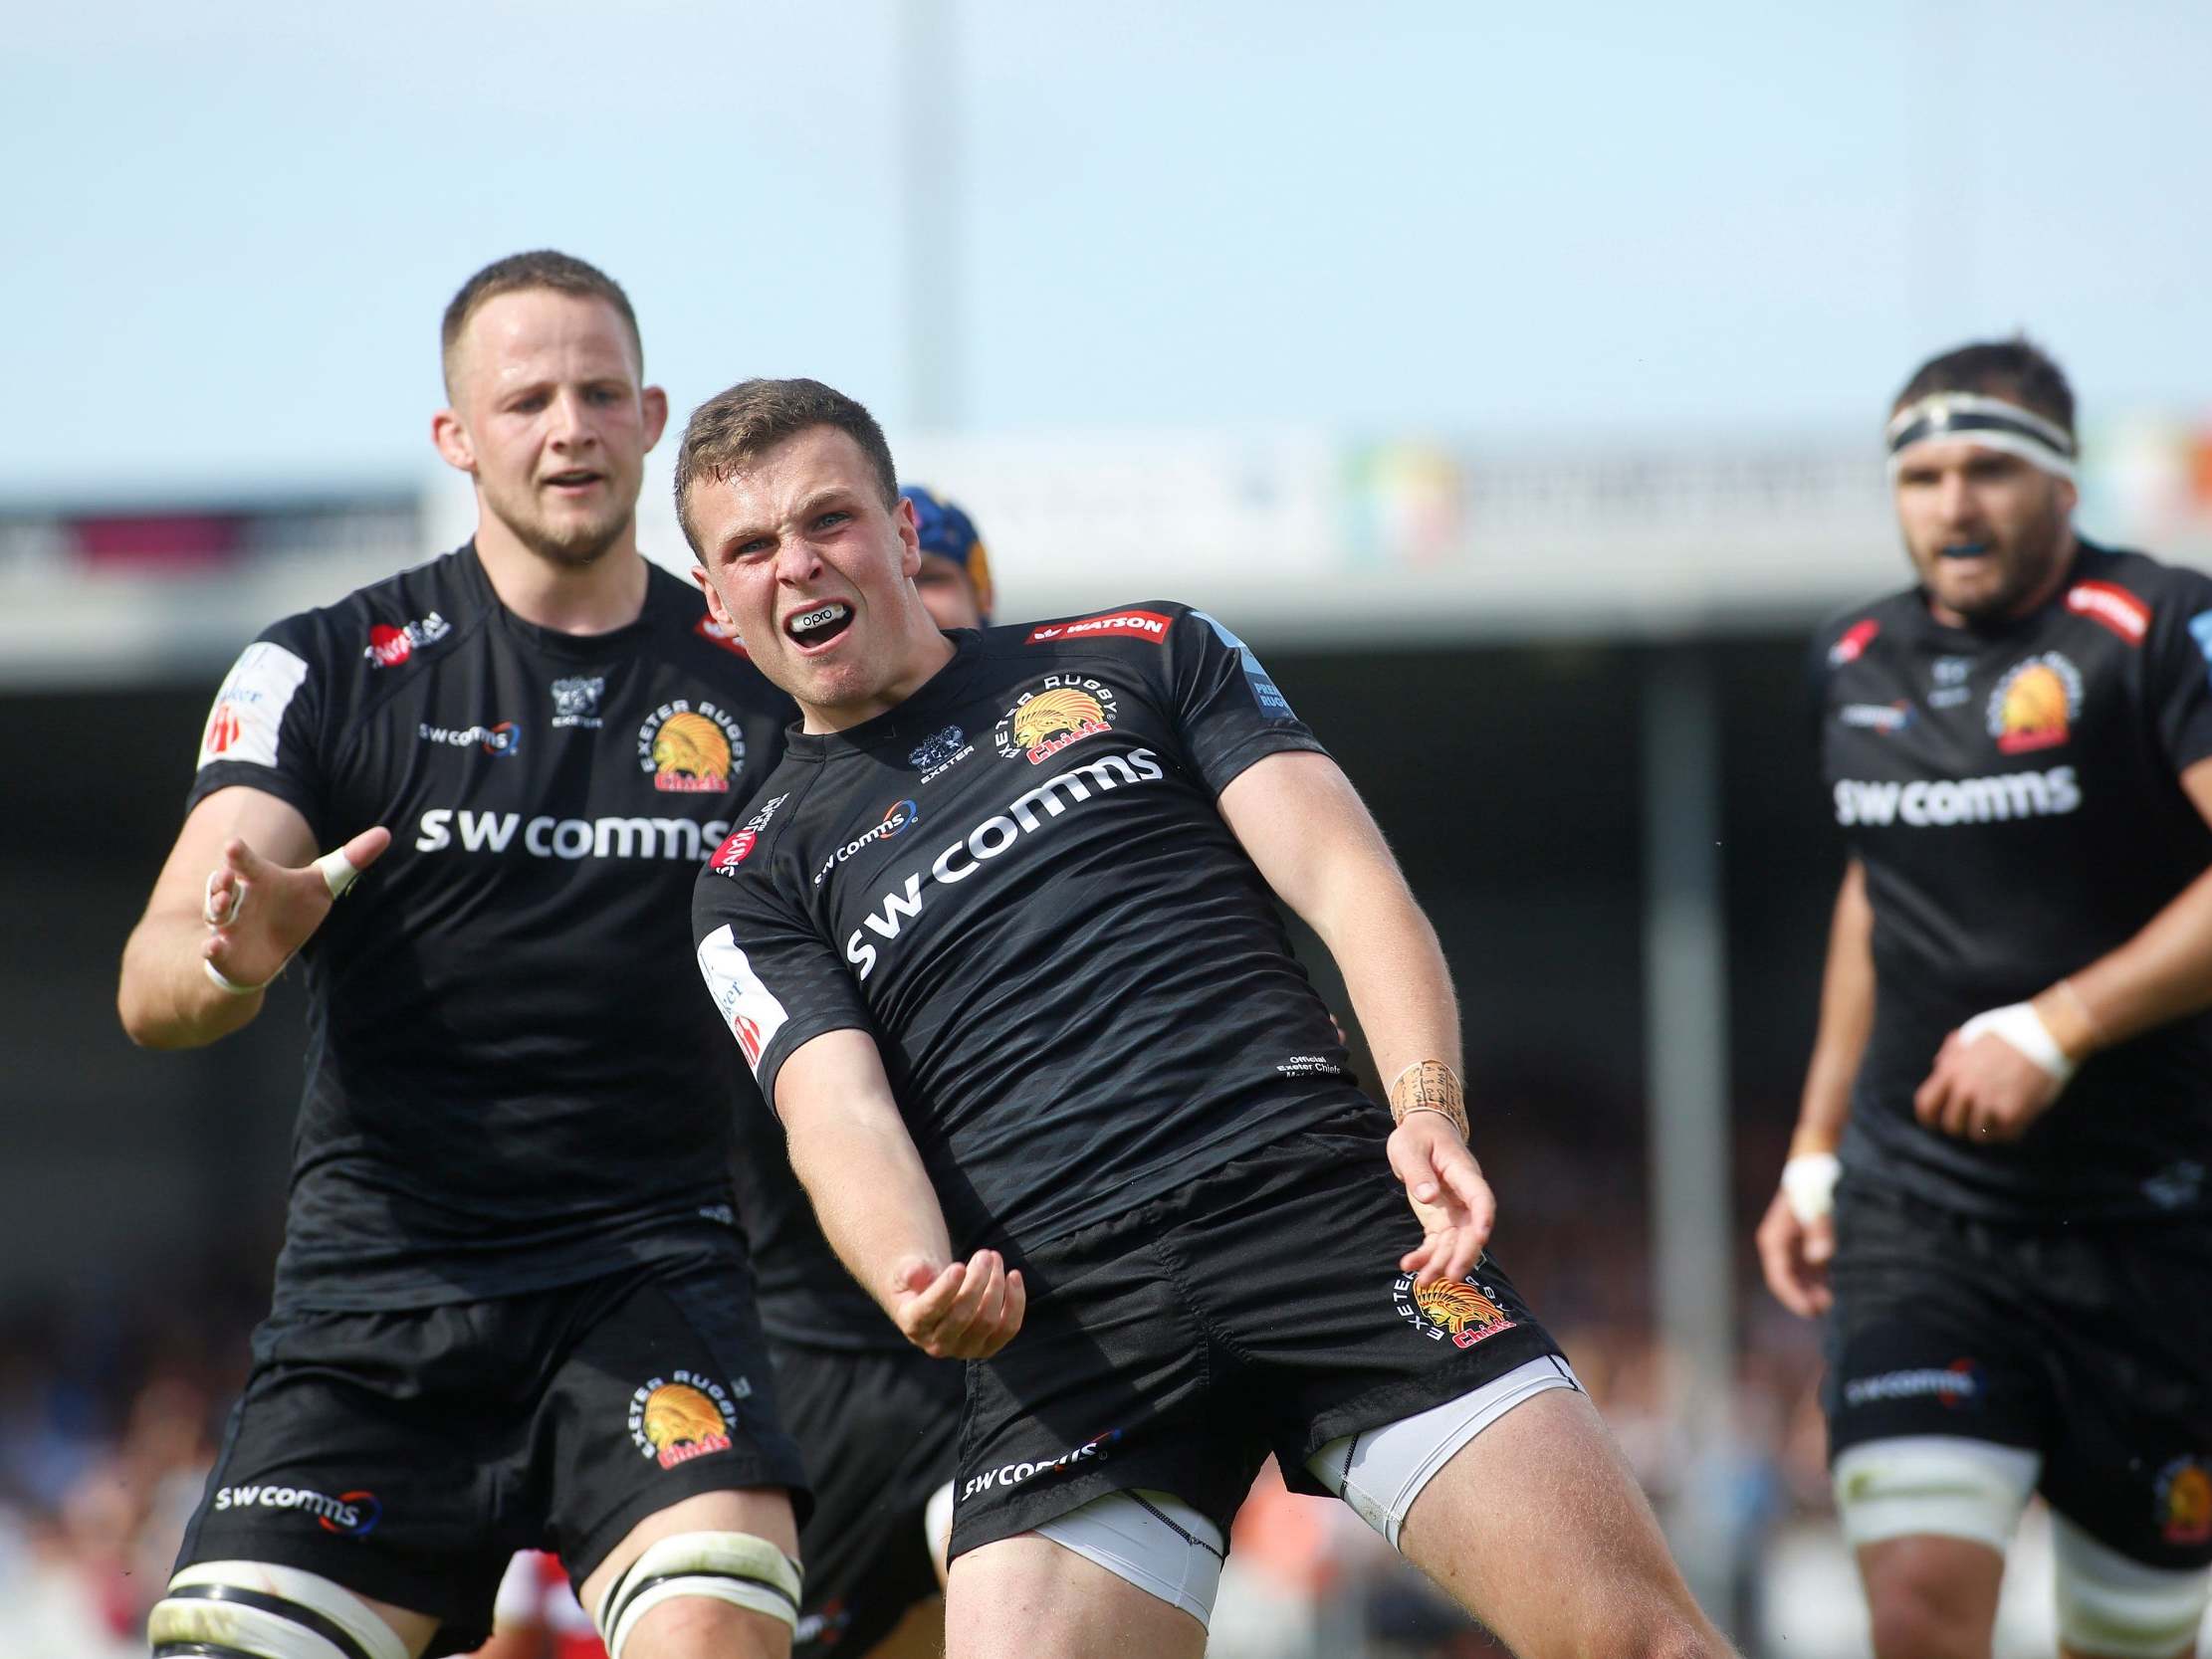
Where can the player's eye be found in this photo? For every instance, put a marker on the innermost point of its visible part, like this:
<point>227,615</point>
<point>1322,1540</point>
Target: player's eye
<point>831,519</point>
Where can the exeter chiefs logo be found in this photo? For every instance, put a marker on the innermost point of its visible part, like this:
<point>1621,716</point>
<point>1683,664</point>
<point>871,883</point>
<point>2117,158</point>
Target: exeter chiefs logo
<point>676,1419</point>
<point>689,748</point>
<point>2184,1502</point>
<point>2036,704</point>
<point>1463,1310</point>
<point>1060,710</point>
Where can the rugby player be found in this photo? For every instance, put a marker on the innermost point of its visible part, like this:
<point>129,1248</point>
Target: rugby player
<point>999,941</point>
<point>2013,1068</point>
<point>512,1308</point>
<point>875,1417</point>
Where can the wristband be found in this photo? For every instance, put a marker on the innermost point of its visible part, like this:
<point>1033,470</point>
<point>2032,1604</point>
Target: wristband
<point>1809,1186</point>
<point>1429,1086</point>
<point>230,987</point>
<point>2021,1028</point>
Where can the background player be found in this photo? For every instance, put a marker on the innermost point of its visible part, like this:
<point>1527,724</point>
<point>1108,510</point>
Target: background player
<point>955,578</point>
<point>2014,1068</point>
<point>511,1307</point>
<point>1058,1001</point>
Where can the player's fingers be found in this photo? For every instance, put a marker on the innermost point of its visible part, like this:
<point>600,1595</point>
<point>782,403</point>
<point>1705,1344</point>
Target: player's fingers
<point>242,860</point>
<point>367,847</point>
<point>1018,1305</point>
<point>226,891</point>
<point>1819,1247</point>
<point>924,1312</point>
<point>1928,1100</point>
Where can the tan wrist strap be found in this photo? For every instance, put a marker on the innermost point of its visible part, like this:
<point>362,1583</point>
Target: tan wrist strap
<point>1429,1086</point>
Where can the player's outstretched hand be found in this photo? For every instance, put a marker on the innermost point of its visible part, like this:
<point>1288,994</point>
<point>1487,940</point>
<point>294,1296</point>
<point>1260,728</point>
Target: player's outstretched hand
<point>1451,1199</point>
<point>1794,1255</point>
<point>258,913</point>
<point>962,1311</point>
<point>1984,1090</point>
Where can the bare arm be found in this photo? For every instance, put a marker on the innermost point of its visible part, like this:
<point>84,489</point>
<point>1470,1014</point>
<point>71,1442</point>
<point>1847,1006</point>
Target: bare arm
<point>850,1150</point>
<point>1794,1252</point>
<point>1313,839</point>
<point>1989,1089</point>
<point>249,857</point>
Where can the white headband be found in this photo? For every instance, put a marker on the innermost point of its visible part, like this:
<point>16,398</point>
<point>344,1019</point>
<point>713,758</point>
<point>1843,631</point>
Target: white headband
<point>1990,422</point>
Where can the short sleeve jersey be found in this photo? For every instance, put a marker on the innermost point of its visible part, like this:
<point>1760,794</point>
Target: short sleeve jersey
<point>510,1083</point>
<point>1019,882</point>
<point>2014,793</point>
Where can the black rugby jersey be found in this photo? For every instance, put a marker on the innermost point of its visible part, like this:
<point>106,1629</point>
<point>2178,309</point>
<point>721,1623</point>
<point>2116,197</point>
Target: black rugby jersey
<point>1018,881</point>
<point>508,1081</point>
<point>2014,793</point>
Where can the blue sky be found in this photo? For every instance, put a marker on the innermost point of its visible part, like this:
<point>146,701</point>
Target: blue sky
<point>230,240</point>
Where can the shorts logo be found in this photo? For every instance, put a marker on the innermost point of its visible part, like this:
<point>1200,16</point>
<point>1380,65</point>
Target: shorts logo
<point>350,1513</point>
<point>576,701</point>
<point>1853,644</point>
<point>2035,704</point>
<point>388,646</point>
<point>504,739</point>
<point>1148,625</point>
<point>2116,608</point>
<point>1060,710</point>
<point>2185,1502</point>
<point>1096,1449</point>
<point>1463,1310</point>
<point>1957,1384</point>
<point>941,751</point>
<point>690,750</point>
<point>738,847</point>
<point>675,1419</point>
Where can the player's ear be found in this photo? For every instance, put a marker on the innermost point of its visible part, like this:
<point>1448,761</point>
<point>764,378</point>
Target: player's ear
<point>715,607</point>
<point>452,439</point>
<point>2070,496</point>
<point>654,402</point>
<point>910,537</point>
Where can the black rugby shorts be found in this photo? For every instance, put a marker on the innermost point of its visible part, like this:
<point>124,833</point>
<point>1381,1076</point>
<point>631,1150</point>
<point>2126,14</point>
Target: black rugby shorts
<point>407,1454</point>
<point>1257,1310</point>
<point>877,1431</point>
<point>2091,1344</point>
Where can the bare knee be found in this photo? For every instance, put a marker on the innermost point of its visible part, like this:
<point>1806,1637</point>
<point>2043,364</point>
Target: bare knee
<point>692,1627</point>
<point>1927,1615</point>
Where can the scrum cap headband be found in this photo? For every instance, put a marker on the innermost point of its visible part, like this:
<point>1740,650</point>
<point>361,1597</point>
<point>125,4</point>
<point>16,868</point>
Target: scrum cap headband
<point>1988,421</point>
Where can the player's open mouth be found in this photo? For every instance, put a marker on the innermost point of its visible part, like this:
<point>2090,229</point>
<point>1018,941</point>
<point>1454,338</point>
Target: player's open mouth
<point>818,626</point>
<point>1962,549</point>
<point>579,479</point>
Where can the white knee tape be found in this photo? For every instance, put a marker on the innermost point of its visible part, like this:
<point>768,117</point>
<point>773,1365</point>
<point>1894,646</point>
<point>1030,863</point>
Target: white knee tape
<point>1939,1484</point>
<point>2110,1606</point>
<point>258,1611</point>
<point>1154,1539</point>
<point>735,1567</point>
<point>1381,1471</point>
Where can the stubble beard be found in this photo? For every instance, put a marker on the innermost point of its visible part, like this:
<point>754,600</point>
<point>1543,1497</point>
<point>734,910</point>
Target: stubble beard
<point>576,547</point>
<point>2036,558</point>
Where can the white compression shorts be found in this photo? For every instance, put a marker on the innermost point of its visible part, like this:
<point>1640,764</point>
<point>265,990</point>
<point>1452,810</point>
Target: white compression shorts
<point>1162,1544</point>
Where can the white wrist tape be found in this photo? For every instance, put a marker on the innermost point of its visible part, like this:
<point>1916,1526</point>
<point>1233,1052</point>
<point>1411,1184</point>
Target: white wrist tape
<point>2022,1028</point>
<point>1809,1186</point>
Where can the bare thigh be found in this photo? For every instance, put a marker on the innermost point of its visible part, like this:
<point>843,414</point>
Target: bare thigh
<point>1538,1529</point>
<point>1025,1597</point>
